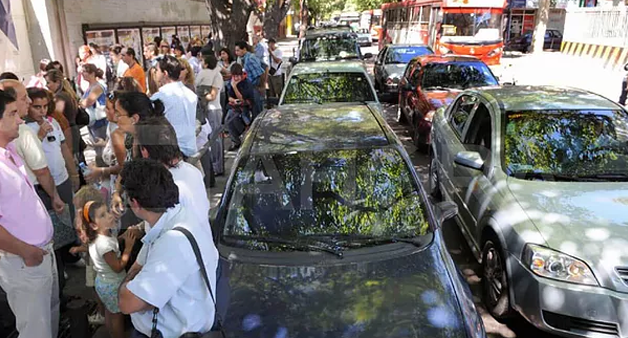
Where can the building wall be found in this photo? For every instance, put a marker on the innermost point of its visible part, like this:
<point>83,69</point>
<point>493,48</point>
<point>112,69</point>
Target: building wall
<point>16,59</point>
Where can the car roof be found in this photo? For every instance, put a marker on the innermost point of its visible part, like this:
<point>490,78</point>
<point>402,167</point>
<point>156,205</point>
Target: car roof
<point>433,58</point>
<point>406,45</point>
<point>319,127</point>
<point>328,67</point>
<point>522,98</point>
<point>327,32</point>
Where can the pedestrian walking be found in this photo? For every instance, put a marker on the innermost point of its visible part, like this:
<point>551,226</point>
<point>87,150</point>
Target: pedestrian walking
<point>165,292</point>
<point>28,271</point>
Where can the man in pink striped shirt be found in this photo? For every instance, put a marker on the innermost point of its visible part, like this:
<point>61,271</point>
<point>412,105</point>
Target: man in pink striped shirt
<point>28,272</point>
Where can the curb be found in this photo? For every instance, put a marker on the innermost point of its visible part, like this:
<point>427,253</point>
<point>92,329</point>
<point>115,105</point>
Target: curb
<point>610,57</point>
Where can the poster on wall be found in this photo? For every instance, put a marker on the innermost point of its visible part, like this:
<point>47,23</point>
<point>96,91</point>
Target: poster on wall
<point>106,37</point>
<point>205,30</point>
<point>184,35</point>
<point>131,37</point>
<point>167,33</point>
<point>150,33</point>
<point>195,32</point>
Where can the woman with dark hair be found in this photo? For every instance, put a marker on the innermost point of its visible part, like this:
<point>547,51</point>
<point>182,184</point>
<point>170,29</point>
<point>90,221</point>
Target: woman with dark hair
<point>127,84</point>
<point>56,65</point>
<point>93,101</point>
<point>209,86</point>
<point>226,61</point>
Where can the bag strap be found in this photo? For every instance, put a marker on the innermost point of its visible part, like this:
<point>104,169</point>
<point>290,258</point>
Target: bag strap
<point>199,259</point>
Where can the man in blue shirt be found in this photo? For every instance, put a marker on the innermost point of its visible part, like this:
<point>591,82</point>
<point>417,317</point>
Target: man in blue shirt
<point>256,72</point>
<point>241,96</point>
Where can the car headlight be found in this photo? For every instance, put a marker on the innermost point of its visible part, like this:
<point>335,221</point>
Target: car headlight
<point>495,52</point>
<point>444,50</point>
<point>552,264</point>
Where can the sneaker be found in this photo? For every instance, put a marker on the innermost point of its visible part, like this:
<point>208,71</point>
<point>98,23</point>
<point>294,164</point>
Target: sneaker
<point>96,319</point>
<point>79,264</point>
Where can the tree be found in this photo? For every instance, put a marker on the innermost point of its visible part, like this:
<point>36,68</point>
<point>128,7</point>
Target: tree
<point>228,20</point>
<point>274,13</point>
<point>538,37</point>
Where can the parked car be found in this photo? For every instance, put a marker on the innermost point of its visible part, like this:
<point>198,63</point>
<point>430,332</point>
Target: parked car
<point>391,62</point>
<point>327,232</point>
<point>553,40</point>
<point>364,37</point>
<point>433,81</point>
<point>330,82</point>
<point>540,178</point>
<point>324,45</point>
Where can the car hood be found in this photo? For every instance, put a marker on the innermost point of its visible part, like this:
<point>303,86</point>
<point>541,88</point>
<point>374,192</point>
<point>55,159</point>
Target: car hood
<point>384,295</point>
<point>395,69</point>
<point>441,98</point>
<point>583,219</point>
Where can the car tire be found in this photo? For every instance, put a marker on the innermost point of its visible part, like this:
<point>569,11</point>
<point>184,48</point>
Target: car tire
<point>495,286</point>
<point>434,180</point>
<point>401,117</point>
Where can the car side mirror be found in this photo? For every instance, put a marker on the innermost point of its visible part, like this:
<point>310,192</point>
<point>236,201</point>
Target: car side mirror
<point>470,159</point>
<point>368,56</point>
<point>446,210</point>
<point>292,60</point>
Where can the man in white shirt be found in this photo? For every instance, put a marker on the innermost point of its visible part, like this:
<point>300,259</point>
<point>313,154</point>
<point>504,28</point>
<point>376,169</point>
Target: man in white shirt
<point>156,139</point>
<point>179,102</point>
<point>166,275</point>
<point>275,73</point>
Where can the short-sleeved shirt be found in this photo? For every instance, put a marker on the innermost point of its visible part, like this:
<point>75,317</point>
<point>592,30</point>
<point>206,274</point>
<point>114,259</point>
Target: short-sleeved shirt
<point>213,78</point>
<point>180,110</point>
<point>246,89</point>
<point>29,147</point>
<point>192,193</point>
<point>22,213</point>
<point>170,278</point>
<point>97,250</point>
<point>253,67</point>
<point>52,149</point>
<point>138,74</point>
<point>279,54</point>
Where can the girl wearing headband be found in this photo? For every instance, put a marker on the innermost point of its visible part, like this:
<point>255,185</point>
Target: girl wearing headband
<point>108,262</point>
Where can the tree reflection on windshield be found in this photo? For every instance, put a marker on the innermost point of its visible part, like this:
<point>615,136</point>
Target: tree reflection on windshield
<point>367,192</point>
<point>459,75</point>
<point>571,143</point>
<point>329,48</point>
<point>328,87</point>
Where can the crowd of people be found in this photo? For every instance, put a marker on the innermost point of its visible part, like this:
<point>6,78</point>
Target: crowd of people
<point>102,170</point>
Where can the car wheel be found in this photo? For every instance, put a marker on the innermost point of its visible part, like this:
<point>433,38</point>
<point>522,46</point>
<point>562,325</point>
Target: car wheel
<point>434,182</point>
<point>495,280</point>
<point>401,117</point>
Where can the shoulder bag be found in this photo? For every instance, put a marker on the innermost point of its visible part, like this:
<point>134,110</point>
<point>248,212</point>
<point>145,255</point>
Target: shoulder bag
<point>217,330</point>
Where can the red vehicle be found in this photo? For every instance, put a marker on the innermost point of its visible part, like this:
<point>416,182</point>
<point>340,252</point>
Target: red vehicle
<point>461,27</point>
<point>433,81</point>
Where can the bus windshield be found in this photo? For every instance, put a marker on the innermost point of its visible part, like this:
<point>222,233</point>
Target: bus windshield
<point>478,24</point>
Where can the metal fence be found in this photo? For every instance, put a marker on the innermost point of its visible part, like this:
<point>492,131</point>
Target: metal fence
<point>599,26</point>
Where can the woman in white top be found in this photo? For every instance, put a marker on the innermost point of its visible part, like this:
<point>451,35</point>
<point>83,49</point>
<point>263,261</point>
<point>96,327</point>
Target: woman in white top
<point>209,85</point>
<point>226,61</point>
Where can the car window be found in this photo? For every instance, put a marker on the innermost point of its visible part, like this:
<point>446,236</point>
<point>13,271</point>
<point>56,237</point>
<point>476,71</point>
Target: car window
<point>330,47</point>
<point>557,34</point>
<point>479,134</point>
<point>459,75</point>
<point>328,87</point>
<point>548,35</point>
<point>566,142</point>
<point>380,56</point>
<point>369,192</point>
<point>461,111</point>
<point>399,55</point>
<point>415,78</point>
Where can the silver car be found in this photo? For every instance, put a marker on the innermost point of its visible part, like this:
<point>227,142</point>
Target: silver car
<point>540,178</point>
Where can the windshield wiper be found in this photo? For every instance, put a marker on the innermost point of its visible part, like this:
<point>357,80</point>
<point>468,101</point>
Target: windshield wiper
<point>549,176</point>
<point>372,240</point>
<point>294,244</point>
<point>616,177</point>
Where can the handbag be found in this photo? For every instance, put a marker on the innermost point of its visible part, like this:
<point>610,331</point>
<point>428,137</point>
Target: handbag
<point>217,330</point>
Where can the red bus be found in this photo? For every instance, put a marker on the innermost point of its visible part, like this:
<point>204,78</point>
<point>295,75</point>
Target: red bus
<point>462,27</point>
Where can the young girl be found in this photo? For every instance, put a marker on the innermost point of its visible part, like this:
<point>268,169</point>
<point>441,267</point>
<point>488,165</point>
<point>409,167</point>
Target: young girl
<point>108,263</point>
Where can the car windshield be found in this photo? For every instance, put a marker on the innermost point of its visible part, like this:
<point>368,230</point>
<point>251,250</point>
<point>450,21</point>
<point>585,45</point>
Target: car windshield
<point>457,75</point>
<point>404,55</point>
<point>330,47</point>
<point>328,87</point>
<point>366,193</point>
<point>568,143</point>
<point>479,24</point>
